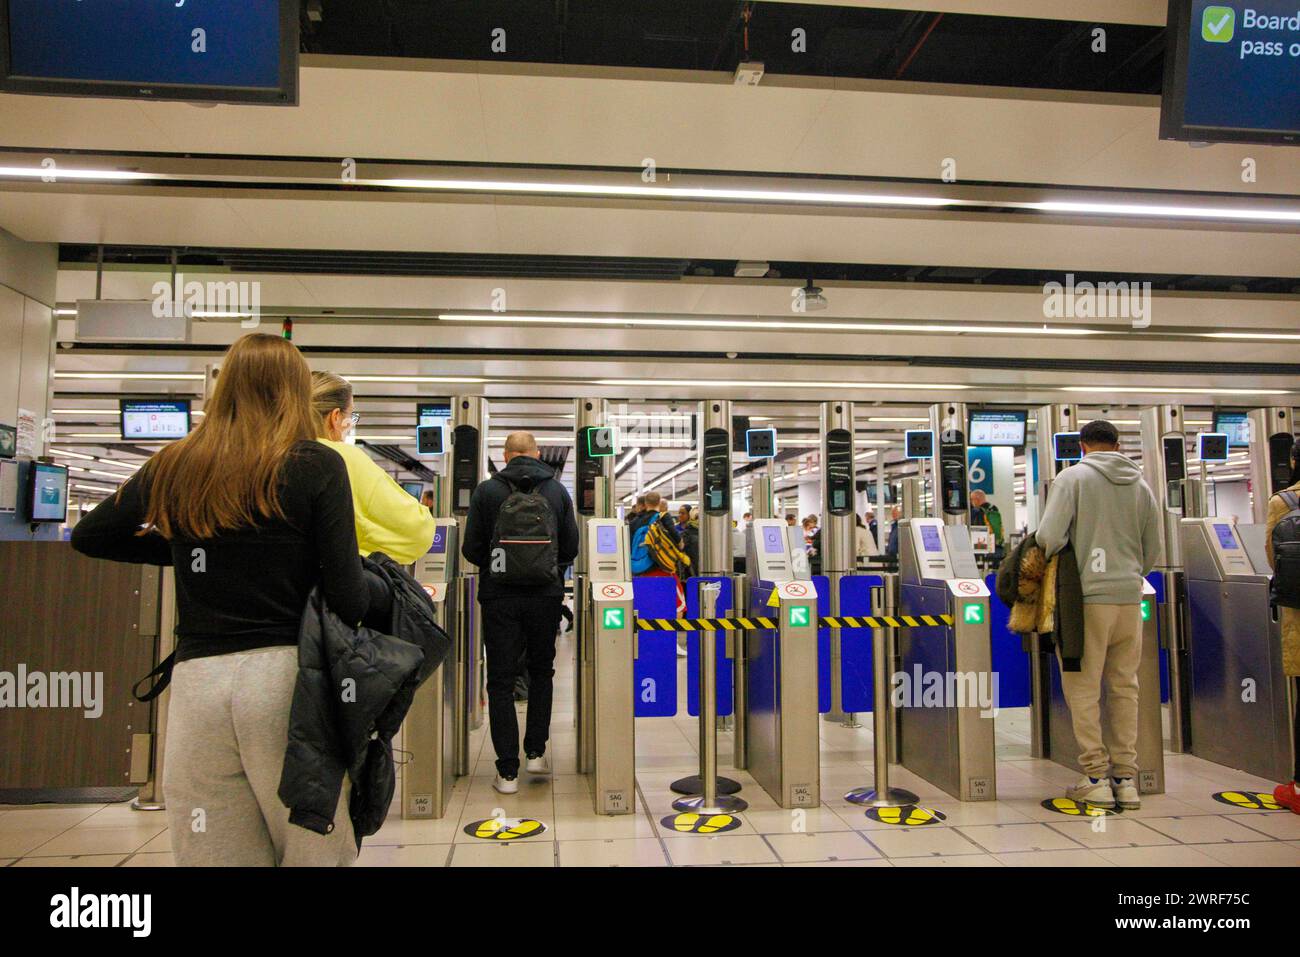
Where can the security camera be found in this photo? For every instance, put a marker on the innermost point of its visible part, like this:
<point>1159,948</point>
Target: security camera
<point>813,298</point>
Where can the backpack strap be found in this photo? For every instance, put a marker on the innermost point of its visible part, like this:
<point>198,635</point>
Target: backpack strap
<point>1290,498</point>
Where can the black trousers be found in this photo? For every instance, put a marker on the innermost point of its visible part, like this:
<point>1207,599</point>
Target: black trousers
<point>515,630</point>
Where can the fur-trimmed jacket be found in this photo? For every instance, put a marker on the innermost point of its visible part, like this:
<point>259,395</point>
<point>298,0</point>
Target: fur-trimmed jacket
<point>1045,596</point>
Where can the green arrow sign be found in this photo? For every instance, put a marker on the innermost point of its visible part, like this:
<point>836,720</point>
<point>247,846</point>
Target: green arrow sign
<point>613,618</point>
<point>798,616</point>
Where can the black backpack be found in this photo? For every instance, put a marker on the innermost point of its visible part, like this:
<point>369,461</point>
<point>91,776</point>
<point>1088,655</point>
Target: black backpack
<point>524,550</point>
<point>1285,587</point>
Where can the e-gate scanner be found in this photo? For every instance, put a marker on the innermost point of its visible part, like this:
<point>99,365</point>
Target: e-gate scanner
<point>782,746</point>
<point>918,444</point>
<point>1212,447</point>
<point>611,633</point>
<point>951,744</point>
<point>1067,447</point>
<point>429,440</point>
<point>1234,645</point>
<point>428,733</point>
<point>464,466</point>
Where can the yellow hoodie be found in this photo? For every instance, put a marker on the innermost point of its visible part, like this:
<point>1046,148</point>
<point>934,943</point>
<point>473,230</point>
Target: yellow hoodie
<point>389,519</point>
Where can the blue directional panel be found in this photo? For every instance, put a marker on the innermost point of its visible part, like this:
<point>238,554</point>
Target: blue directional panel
<point>1010,662</point>
<point>823,586</point>
<point>857,661</point>
<point>656,665</point>
<point>726,668</point>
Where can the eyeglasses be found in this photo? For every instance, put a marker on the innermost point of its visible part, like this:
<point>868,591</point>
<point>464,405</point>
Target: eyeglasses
<point>356,417</point>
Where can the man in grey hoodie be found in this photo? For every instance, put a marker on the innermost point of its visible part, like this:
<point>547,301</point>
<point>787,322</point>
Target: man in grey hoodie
<point>1103,508</point>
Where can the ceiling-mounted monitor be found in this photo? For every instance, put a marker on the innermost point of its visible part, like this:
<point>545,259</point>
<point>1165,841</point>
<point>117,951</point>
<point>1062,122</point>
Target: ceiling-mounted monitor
<point>151,420</point>
<point>998,427</point>
<point>225,51</point>
<point>1232,72</point>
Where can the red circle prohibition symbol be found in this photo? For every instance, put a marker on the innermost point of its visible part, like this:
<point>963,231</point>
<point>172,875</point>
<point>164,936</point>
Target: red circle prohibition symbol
<point>970,588</point>
<point>794,588</point>
<point>612,591</point>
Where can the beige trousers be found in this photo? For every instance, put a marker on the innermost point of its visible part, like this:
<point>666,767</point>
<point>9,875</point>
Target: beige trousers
<point>1112,652</point>
<point>227,729</point>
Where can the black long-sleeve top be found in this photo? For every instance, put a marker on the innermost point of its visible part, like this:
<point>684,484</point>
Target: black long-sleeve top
<point>247,588</point>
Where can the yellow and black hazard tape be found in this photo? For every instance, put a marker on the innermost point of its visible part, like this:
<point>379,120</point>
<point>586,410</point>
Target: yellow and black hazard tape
<point>883,621</point>
<point>705,624</point>
<point>766,624</point>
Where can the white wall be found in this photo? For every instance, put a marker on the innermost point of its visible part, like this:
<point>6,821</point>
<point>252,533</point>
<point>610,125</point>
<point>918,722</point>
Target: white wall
<point>1232,498</point>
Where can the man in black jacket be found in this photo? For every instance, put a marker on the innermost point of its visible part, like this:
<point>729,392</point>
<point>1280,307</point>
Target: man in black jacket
<point>519,620</point>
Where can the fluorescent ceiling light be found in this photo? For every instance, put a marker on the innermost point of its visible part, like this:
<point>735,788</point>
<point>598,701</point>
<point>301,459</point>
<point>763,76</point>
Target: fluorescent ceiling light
<point>73,455</point>
<point>745,383</point>
<point>760,325</point>
<point>412,378</point>
<point>94,488</point>
<point>1273,336</point>
<point>58,173</point>
<point>898,418</point>
<point>1180,212</point>
<point>160,376</point>
<point>661,192</point>
<point>1170,391</point>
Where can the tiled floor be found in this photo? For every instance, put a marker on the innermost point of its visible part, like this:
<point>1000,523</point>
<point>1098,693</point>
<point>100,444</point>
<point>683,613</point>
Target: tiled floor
<point>1185,826</point>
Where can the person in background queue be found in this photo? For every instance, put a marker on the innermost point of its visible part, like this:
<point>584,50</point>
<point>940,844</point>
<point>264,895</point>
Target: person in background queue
<point>388,519</point>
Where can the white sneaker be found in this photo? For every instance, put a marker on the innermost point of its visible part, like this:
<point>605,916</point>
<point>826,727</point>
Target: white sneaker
<point>1126,794</point>
<point>506,785</point>
<point>1092,791</point>
<point>538,765</point>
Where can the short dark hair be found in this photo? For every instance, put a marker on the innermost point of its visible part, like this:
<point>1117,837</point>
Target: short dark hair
<point>1099,432</point>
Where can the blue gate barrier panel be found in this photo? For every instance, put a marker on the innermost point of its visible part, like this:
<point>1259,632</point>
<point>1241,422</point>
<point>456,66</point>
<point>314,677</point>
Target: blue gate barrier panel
<point>726,667</point>
<point>823,586</point>
<point>1010,662</point>
<point>1157,581</point>
<point>655,668</point>
<point>857,658</point>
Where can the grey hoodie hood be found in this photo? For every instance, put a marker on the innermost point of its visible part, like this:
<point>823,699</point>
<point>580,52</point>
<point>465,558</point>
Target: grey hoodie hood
<point>1118,468</point>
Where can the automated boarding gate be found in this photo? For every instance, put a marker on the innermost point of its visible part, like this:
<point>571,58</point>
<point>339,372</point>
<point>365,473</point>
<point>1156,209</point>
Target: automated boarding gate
<point>782,739</point>
<point>609,634</point>
<point>1240,697</point>
<point>946,691</point>
<point>1062,746</point>
<point>437,725</point>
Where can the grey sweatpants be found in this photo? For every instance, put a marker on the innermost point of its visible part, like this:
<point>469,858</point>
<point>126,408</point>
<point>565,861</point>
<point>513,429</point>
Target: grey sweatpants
<point>227,729</point>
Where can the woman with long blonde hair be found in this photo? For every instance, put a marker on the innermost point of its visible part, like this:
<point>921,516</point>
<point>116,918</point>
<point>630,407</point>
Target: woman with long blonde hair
<point>389,519</point>
<point>252,513</point>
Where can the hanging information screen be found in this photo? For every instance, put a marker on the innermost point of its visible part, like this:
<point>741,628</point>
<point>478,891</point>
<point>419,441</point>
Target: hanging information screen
<point>235,51</point>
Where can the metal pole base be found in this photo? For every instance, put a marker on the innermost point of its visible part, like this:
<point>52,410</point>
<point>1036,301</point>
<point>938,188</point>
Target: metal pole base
<point>722,804</point>
<point>138,805</point>
<point>893,797</point>
<point>695,785</point>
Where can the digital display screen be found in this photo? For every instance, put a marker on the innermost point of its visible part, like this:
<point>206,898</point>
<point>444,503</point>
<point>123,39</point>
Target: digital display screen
<point>433,413</point>
<point>606,540</point>
<point>439,546</point>
<point>1212,447</point>
<point>1066,447</point>
<point>839,471</point>
<point>918,444</point>
<point>1227,539</point>
<point>930,539</point>
<point>152,421</point>
<point>1232,72</point>
<point>988,427</point>
<point>760,443</point>
<point>773,540</point>
<point>49,492</point>
<point>413,489</point>
<point>1236,426</point>
<point>232,50</point>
